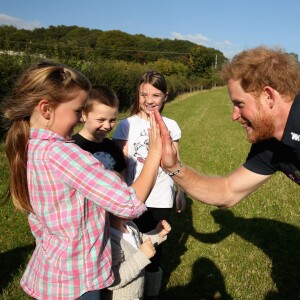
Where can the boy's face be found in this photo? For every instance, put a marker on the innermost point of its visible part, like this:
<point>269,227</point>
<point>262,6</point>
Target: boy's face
<point>100,121</point>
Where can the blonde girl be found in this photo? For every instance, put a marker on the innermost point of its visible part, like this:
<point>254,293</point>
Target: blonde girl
<point>64,190</point>
<point>132,135</point>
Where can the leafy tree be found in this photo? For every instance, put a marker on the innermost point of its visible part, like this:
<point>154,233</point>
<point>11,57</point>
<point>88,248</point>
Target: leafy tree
<point>168,67</point>
<point>115,44</point>
<point>204,60</point>
<point>201,61</point>
<point>84,43</point>
<point>114,58</point>
<point>6,33</point>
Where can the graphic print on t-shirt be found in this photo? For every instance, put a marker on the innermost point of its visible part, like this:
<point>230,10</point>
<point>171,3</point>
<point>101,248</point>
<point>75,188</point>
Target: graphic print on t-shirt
<point>141,145</point>
<point>106,158</point>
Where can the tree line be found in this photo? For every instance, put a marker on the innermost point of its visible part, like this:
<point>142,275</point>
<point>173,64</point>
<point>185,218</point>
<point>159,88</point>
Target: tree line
<point>88,44</point>
<point>113,58</point>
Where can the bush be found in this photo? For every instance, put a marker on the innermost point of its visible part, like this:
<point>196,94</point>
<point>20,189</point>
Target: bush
<point>121,76</point>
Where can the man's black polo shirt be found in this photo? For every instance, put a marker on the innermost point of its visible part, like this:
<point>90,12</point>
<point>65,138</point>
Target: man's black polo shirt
<point>269,156</point>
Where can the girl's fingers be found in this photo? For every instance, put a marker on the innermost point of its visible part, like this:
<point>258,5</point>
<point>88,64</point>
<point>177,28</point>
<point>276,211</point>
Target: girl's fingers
<point>153,124</point>
<point>151,120</point>
<point>155,129</point>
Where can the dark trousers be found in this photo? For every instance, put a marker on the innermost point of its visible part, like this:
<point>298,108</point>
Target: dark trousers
<point>92,295</point>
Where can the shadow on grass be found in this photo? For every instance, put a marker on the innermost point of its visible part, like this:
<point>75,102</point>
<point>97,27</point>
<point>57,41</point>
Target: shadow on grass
<point>207,281</point>
<point>279,241</point>
<point>10,262</point>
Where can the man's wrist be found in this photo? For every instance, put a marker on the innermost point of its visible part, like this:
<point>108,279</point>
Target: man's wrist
<point>173,173</point>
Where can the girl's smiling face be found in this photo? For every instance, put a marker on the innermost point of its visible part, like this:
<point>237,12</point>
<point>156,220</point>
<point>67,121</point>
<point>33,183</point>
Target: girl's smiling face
<point>150,98</point>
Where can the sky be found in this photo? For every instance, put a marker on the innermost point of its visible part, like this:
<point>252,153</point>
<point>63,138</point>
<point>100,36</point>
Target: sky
<point>226,25</point>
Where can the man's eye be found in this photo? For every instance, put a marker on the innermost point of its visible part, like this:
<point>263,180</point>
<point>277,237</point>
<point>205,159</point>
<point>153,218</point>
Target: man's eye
<point>239,104</point>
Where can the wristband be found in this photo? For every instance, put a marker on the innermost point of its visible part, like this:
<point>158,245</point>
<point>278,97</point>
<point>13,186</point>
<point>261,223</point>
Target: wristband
<point>175,172</point>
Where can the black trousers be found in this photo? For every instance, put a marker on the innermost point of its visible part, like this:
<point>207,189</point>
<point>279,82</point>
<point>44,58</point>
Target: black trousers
<point>147,222</point>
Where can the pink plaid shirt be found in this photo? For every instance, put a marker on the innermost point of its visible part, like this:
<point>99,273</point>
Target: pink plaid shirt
<point>70,192</point>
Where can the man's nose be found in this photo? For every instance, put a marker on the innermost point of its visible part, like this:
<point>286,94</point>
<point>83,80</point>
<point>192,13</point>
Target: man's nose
<point>236,114</point>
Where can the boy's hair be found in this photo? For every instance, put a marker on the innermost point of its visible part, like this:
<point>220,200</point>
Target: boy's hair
<point>43,80</point>
<point>103,95</point>
<point>154,78</point>
<point>262,66</point>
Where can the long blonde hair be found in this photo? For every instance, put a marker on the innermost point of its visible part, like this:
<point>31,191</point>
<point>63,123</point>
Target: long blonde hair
<point>43,80</point>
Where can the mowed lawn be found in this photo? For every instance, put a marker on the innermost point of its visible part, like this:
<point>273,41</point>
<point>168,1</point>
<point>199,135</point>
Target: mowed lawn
<point>250,251</point>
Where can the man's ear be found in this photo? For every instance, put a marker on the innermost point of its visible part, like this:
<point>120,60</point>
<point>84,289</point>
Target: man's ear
<point>269,93</point>
<point>45,109</point>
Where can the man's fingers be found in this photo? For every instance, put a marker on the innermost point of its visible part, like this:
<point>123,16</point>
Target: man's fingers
<point>160,122</point>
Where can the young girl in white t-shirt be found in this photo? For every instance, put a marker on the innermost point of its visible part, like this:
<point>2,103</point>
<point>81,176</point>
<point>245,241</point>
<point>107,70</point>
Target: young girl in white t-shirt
<point>132,135</point>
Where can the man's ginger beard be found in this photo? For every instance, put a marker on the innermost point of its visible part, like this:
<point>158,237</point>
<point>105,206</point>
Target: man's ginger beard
<point>262,125</point>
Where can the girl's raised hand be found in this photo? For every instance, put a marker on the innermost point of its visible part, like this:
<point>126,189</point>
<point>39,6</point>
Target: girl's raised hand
<point>155,143</point>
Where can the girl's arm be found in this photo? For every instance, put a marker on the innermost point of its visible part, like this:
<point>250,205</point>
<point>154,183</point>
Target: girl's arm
<point>83,173</point>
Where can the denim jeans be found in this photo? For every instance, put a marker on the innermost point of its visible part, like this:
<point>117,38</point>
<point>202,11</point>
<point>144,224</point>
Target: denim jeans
<point>92,295</point>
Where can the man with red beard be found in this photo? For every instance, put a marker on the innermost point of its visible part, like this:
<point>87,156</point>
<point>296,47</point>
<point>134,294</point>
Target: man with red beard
<point>263,85</point>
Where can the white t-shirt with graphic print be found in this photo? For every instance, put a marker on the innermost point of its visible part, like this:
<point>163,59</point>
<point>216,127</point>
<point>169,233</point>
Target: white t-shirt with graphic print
<point>135,130</point>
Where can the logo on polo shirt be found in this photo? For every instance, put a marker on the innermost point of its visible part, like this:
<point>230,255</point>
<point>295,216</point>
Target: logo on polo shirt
<point>295,137</point>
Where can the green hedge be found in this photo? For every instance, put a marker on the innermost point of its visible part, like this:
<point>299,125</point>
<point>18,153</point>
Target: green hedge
<point>121,76</point>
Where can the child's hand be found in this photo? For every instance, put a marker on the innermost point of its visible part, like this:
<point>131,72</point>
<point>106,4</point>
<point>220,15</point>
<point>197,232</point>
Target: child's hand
<point>163,228</point>
<point>155,144</point>
<point>148,248</point>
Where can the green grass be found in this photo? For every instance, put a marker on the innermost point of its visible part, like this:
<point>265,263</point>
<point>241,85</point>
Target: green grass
<point>250,251</point>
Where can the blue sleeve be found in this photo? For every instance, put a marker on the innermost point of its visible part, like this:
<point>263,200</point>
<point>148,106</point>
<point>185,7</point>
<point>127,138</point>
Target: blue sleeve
<point>122,131</point>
